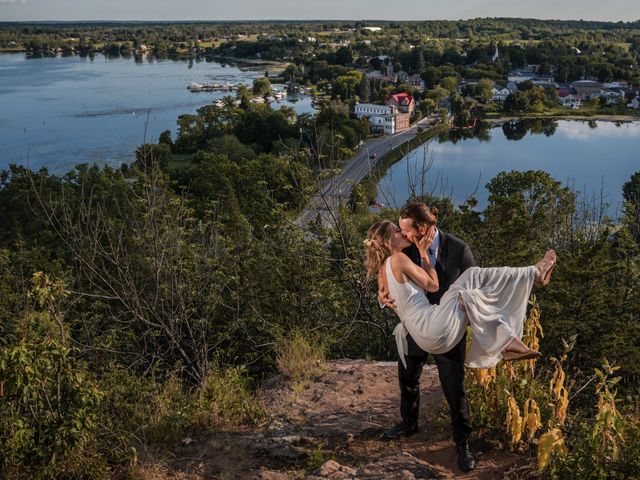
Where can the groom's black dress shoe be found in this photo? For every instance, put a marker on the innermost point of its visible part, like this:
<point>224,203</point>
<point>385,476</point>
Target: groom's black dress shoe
<point>465,459</point>
<point>400,430</point>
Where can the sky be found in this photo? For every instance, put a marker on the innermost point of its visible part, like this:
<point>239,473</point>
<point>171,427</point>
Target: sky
<point>205,10</point>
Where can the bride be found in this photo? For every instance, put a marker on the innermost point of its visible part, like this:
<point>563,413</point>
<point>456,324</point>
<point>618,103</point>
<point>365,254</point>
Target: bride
<point>492,300</point>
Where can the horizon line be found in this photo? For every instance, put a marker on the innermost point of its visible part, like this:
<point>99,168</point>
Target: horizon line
<point>311,20</point>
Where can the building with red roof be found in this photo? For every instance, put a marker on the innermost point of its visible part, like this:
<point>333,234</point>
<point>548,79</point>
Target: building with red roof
<point>402,101</point>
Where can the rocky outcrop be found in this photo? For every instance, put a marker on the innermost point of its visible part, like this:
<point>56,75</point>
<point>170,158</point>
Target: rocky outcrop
<point>331,429</point>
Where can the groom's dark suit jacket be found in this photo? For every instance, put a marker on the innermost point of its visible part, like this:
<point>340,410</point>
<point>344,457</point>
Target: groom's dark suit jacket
<point>454,257</point>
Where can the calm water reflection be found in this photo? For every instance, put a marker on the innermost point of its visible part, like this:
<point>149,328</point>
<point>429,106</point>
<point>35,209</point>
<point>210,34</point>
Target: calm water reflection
<point>583,155</point>
<point>66,110</point>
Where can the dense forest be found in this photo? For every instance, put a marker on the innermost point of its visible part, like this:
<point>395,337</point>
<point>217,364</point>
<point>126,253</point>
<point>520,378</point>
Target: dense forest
<point>144,303</point>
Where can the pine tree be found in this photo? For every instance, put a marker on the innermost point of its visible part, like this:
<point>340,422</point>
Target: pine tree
<point>363,90</point>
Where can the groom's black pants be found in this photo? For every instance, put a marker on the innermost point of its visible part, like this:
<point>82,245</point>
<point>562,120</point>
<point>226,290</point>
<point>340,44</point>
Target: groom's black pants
<point>451,372</point>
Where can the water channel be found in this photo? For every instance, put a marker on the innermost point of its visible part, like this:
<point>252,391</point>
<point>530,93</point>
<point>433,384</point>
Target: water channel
<point>593,158</point>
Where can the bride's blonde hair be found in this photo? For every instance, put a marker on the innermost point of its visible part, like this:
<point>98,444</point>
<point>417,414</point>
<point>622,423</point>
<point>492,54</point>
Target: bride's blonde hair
<point>377,246</point>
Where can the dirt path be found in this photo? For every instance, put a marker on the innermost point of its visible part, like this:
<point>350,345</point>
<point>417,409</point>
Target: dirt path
<point>336,423</point>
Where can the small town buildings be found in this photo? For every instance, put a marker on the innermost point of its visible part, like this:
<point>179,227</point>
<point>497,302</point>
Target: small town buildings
<point>544,84</point>
<point>383,123</point>
<point>570,100</point>
<point>532,68</point>
<point>586,88</point>
<point>519,76</point>
<point>381,117</point>
<point>499,94</point>
<point>402,76</point>
<point>403,121</point>
<point>379,75</point>
<point>619,84</point>
<point>611,96</point>
<point>389,70</point>
<point>415,80</point>
<point>371,109</point>
<point>402,101</point>
<point>387,119</point>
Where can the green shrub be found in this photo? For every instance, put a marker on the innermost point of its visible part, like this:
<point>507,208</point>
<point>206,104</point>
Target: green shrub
<point>583,460</point>
<point>225,398</point>
<point>153,412</point>
<point>299,358</point>
<point>48,411</point>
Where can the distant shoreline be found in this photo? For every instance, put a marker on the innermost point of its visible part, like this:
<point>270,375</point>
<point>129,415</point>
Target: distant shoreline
<point>595,118</point>
<point>269,64</point>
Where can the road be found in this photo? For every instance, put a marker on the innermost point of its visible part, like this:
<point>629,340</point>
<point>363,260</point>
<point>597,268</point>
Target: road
<point>335,191</point>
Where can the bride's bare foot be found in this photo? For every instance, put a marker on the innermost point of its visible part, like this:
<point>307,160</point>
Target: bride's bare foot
<point>517,350</point>
<point>545,268</point>
<point>511,356</point>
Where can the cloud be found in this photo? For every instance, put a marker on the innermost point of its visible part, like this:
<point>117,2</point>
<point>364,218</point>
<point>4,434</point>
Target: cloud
<point>577,130</point>
<point>9,2</point>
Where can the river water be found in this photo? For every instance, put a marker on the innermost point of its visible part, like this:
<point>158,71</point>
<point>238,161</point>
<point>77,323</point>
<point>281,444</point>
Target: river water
<point>592,158</point>
<point>60,111</point>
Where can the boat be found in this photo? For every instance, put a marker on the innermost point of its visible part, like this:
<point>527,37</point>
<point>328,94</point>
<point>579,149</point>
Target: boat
<point>211,87</point>
<point>195,87</point>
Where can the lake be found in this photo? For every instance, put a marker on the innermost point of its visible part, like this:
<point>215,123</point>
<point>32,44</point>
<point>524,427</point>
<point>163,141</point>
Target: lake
<point>582,155</point>
<point>60,111</point>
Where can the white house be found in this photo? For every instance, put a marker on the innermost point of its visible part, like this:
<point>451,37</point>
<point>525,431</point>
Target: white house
<point>635,103</point>
<point>383,123</point>
<point>612,96</point>
<point>370,109</point>
<point>373,29</point>
<point>381,117</point>
<point>499,94</point>
<point>571,101</point>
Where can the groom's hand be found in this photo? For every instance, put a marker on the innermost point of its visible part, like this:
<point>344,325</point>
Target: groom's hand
<point>384,300</point>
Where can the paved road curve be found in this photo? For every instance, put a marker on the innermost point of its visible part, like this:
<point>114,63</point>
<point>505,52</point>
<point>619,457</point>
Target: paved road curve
<point>335,191</point>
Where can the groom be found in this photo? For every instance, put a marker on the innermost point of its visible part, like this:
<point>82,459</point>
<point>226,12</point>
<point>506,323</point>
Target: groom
<point>451,256</point>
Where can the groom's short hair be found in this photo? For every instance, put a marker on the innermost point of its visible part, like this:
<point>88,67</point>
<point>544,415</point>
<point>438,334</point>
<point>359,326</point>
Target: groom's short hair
<point>420,213</point>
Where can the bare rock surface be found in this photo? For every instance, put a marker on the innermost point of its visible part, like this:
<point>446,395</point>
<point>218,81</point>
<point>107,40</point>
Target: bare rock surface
<point>332,430</point>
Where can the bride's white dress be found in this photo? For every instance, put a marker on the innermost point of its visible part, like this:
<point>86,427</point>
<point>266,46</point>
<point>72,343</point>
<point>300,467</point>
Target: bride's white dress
<point>495,301</point>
